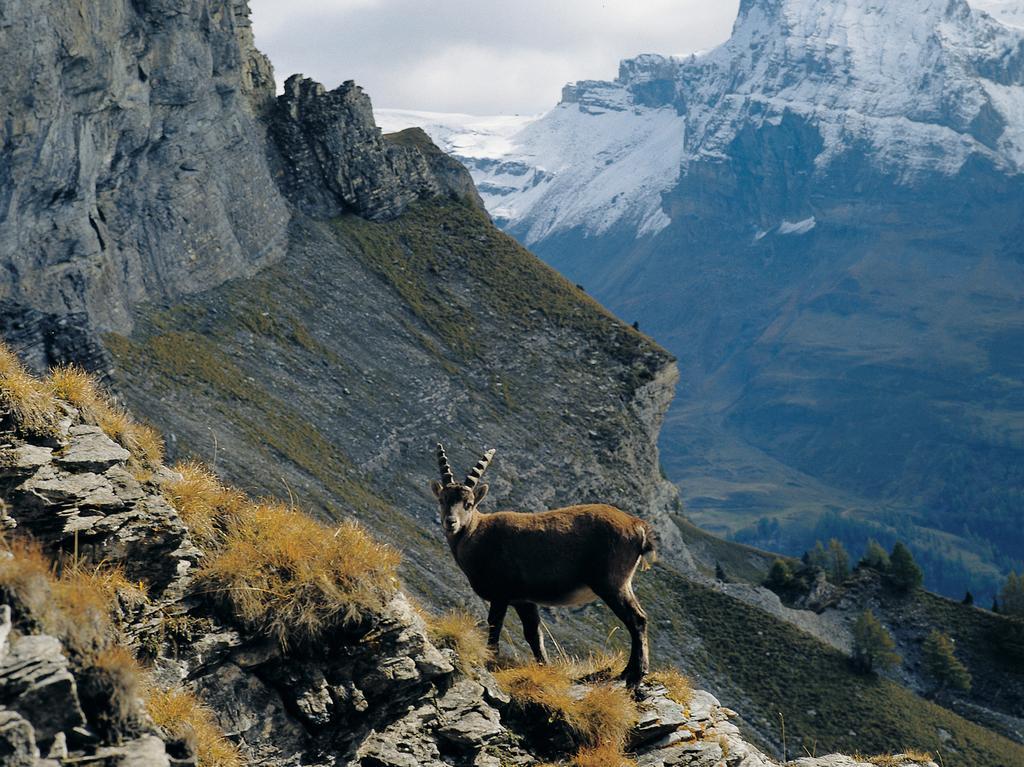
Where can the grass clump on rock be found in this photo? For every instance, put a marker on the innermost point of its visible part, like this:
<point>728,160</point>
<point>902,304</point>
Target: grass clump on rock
<point>24,398</point>
<point>678,685</point>
<point>180,716</point>
<point>285,574</point>
<point>202,501</point>
<point>79,605</point>
<point>459,631</point>
<point>80,389</point>
<point>598,718</point>
<point>277,570</point>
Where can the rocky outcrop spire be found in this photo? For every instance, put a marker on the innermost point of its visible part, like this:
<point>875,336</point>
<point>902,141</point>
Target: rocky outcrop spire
<point>332,157</point>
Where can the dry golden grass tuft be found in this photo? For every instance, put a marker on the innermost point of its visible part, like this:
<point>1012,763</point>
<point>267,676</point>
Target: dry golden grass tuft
<point>604,716</point>
<point>26,576</point>
<point>181,716</point>
<point>79,605</point>
<point>460,631</point>
<point>545,686</point>
<point>283,573</point>
<point>203,503</point>
<point>921,757</point>
<point>679,687</point>
<point>25,397</point>
<point>86,597</point>
<point>77,387</point>
<point>74,602</point>
<point>598,665</point>
<point>601,718</point>
<point>602,756</point>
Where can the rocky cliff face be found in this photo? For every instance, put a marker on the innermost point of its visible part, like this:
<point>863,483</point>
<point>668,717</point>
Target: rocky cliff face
<point>132,161</point>
<point>135,160</point>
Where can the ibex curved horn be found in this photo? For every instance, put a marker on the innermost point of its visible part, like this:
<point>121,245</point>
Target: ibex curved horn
<point>478,471</point>
<point>447,475</point>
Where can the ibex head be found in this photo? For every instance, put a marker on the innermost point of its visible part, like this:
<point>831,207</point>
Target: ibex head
<point>458,500</point>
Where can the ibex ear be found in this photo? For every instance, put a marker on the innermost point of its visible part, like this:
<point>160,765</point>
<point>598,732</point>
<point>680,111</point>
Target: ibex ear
<point>480,493</point>
<point>436,488</point>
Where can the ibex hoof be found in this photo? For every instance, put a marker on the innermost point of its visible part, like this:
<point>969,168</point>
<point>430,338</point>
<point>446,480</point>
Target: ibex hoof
<point>633,679</point>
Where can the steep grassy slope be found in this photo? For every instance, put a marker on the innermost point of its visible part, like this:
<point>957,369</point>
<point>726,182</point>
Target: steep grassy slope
<point>332,373</point>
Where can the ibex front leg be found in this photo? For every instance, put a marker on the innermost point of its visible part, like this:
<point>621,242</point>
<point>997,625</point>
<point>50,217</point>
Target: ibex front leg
<point>495,618</point>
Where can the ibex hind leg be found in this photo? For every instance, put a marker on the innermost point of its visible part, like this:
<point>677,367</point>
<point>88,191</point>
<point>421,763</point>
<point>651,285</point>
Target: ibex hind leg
<point>624,604</point>
<point>529,614</point>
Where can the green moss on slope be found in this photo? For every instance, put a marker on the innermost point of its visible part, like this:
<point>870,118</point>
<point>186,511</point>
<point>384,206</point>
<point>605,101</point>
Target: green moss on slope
<point>428,267</point>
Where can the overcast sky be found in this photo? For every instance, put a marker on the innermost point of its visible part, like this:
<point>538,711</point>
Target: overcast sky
<point>477,56</point>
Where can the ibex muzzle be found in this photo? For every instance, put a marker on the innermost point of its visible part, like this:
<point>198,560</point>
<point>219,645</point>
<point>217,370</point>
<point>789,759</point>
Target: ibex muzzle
<point>562,557</point>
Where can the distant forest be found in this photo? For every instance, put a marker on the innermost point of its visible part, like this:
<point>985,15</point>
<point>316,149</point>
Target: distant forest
<point>949,567</point>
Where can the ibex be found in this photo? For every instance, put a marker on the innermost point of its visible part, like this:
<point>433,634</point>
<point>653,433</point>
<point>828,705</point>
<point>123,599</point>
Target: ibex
<point>566,556</point>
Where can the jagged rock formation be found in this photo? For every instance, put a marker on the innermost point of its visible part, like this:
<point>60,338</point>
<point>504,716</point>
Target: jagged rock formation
<point>333,158</point>
<point>379,693</point>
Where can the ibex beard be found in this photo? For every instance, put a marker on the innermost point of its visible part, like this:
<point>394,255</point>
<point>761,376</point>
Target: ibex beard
<point>567,556</point>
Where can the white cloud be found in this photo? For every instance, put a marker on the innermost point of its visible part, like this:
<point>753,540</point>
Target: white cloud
<point>477,56</point>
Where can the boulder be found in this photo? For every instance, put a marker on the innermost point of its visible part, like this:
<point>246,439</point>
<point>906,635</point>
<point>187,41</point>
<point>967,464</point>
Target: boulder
<point>91,450</point>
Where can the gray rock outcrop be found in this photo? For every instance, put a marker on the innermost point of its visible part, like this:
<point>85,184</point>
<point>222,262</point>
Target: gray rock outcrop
<point>333,159</point>
<point>131,165</point>
<point>135,163</point>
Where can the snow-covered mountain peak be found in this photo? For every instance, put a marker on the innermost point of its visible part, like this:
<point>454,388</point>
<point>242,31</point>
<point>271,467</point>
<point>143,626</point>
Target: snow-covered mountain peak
<point>1009,12</point>
<point>916,87</point>
<point>925,83</point>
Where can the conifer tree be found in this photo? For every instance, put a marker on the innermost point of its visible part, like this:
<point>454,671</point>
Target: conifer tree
<point>875,557</point>
<point>839,561</point>
<point>873,646</point>
<point>780,576</point>
<point>903,570</point>
<point>942,666</point>
<point>817,557</point>
<point>1011,598</point>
